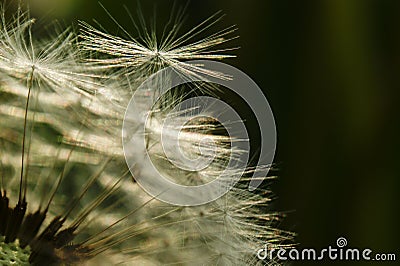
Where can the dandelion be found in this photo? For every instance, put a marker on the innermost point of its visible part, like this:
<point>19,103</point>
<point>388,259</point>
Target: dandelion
<point>233,226</point>
<point>67,197</point>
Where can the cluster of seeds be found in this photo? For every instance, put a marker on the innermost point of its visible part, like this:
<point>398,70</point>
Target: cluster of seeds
<point>67,196</point>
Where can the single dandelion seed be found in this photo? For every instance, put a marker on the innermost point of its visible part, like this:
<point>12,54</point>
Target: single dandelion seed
<point>146,54</point>
<point>55,63</point>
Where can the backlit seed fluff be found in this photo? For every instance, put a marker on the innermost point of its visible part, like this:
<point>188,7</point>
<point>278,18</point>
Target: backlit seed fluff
<point>72,200</point>
<point>56,63</point>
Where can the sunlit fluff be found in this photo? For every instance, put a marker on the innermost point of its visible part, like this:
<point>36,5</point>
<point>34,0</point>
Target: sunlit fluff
<point>78,183</point>
<point>56,63</point>
<point>148,53</point>
<point>224,232</point>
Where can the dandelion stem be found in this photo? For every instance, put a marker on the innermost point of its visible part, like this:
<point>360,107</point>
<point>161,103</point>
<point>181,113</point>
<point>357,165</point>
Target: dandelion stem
<point>29,86</point>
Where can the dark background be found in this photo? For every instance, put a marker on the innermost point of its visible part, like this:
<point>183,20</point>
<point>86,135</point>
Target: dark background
<point>330,70</point>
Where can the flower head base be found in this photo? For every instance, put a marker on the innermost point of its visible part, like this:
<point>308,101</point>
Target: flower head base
<point>13,254</point>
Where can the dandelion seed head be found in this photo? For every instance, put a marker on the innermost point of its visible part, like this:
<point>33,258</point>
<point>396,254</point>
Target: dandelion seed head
<point>77,182</point>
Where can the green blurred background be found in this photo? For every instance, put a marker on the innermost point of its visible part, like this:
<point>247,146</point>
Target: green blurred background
<point>330,70</point>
